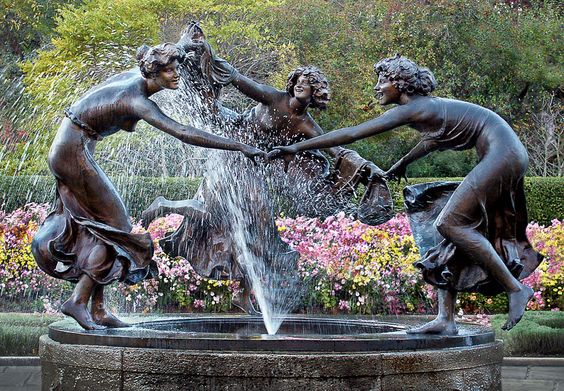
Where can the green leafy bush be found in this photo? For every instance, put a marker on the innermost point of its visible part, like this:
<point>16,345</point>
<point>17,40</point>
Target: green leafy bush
<point>136,192</point>
<point>544,195</point>
<point>540,333</point>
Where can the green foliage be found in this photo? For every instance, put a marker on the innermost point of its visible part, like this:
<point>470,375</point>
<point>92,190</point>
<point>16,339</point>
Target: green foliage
<point>95,39</point>
<point>538,334</point>
<point>19,333</point>
<point>24,24</point>
<point>519,52</point>
<point>446,36</point>
<point>136,192</point>
<point>105,40</point>
<point>544,196</point>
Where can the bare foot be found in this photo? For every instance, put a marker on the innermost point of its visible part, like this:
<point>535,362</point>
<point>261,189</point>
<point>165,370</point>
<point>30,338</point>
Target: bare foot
<point>517,305</point>
<point>437,326</point>
<point>80,313</point>
<point>106,318</point>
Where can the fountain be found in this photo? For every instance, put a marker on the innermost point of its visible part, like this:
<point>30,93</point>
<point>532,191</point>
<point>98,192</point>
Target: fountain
<point>235,353</point>
<point>275,351</point>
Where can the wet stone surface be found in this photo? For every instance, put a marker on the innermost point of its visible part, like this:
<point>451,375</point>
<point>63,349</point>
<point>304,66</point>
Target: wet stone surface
<point>233,353</point>
<point>297,333</point>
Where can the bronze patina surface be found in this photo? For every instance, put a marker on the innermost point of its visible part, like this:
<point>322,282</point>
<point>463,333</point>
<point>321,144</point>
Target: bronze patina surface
<point>484,246</point>
<point>87,238</point>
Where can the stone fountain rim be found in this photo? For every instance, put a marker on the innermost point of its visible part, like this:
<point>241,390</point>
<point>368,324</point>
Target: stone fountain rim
<point>68,332</point>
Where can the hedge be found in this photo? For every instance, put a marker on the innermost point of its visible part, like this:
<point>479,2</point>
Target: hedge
<point>539,333</point>
<point>544,195</point>
<point>136,192</point>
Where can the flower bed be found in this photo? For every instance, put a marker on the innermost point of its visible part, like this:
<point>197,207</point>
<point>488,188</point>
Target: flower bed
<point>346,266</point>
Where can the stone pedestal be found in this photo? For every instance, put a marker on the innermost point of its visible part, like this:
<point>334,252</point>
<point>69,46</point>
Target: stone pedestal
<point>67,366</point>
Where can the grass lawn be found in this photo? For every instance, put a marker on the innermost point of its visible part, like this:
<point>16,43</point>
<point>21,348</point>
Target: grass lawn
<point>539,333</point>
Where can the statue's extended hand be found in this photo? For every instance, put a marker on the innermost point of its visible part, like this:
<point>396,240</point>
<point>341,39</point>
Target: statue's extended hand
<point>397,171</point>
<point>252,153</point>
<point>288,153</point>
<point>372,171</point>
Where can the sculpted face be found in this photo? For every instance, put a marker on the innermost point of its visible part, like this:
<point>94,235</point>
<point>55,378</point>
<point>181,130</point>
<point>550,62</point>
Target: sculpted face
<point>168,76</point>
<point>303,90</point>
<point>386,92</point>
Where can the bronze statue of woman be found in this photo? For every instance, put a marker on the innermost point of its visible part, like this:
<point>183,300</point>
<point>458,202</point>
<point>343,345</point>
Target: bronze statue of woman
<point>484,221</point>
<point>87,238</point>
<point>282,117</point>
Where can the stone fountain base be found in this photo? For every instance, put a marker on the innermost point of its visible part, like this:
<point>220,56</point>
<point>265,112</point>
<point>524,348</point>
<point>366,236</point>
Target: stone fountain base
<point>157,358</point>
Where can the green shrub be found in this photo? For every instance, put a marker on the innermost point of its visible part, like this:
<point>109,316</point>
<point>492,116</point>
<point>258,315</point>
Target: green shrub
<point>136,192</point>
<point>540,333</point>
<point>544,196</point>
<point>19,333</point>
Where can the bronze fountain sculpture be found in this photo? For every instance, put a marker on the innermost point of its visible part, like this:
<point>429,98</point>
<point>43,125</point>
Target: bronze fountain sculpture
<point>204,236</point>
<point>484,244</point>
<point>87,239</point>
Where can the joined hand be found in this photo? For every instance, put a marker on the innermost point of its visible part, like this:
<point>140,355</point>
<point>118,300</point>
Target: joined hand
<point>372,171</point>
<point>252,153</point>
<point>397,171</point>
<point>288,153</point>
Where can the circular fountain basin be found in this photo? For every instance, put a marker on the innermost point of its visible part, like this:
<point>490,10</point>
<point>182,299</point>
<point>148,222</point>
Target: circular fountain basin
<point>236,353</point>
<point>297,333</point>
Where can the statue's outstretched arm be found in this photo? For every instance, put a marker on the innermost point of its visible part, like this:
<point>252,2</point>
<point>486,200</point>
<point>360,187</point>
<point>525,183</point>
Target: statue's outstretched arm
<point>256,91</point>
<point>398,116</point>
<point>423,148</point>
<point>150,112</point>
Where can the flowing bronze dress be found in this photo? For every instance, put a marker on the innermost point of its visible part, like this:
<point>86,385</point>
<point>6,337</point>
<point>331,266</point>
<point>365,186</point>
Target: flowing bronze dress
<point>490,199</point>
<point>88,217</point>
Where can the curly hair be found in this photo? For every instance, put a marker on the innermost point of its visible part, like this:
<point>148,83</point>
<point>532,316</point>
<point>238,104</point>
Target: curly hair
<point>320,85</point>
<point>406,75</point>
<point>152,59</point>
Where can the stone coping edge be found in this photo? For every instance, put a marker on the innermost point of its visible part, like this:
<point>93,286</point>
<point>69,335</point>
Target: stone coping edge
<point>20,361</point>
<point>16,361</point>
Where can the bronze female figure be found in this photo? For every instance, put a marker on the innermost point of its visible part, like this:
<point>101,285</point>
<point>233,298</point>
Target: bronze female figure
<point>282,117</point>
<point>87,239</point>
<point>484,221</point>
